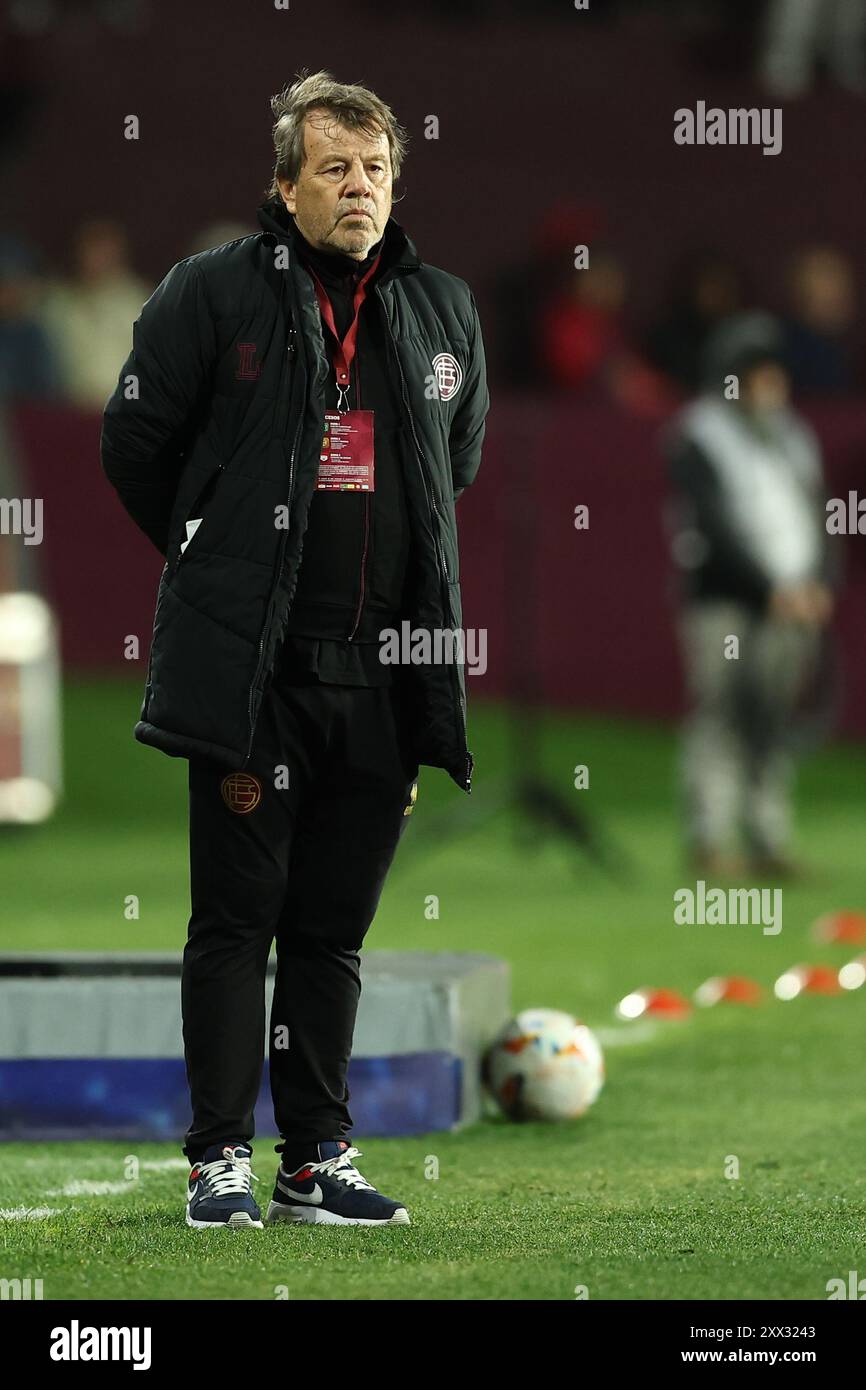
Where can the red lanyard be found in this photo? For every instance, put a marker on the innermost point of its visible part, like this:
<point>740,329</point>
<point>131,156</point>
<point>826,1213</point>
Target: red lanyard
<point>344,353</point>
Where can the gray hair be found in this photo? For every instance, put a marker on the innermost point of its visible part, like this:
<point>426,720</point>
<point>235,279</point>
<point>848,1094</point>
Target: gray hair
<point>352,105</point>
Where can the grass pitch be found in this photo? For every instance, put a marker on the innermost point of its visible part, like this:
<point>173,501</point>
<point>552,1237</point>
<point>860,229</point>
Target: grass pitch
<point>632,1202</point>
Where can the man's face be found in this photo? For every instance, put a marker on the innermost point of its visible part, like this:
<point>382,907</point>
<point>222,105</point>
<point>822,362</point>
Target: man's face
<point>345,175</point>
<point>766,389</point>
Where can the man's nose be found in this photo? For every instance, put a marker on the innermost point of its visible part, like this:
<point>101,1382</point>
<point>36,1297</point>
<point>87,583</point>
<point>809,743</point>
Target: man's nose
<point>358,184</point>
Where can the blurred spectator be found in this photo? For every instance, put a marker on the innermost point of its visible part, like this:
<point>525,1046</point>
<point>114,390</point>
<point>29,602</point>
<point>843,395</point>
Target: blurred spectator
<point>90,317</point>
<point>520,290</point>
<point>799,34</point>
<point>754,551</point>
<point>817,334</point>
<point>217,234</point>
<point>705,288</point>
<point>581,325</point>
<point>28,369</point>
<point>583,343</point>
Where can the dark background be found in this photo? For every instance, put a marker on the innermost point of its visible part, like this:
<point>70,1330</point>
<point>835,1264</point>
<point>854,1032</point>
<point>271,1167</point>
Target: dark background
<point>537,107</point>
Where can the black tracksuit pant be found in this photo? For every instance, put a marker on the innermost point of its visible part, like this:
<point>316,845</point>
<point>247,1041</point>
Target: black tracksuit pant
<point>304,863</point>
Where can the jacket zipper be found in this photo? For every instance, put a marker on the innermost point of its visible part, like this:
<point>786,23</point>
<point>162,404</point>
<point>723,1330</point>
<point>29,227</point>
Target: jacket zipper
<point>363,577</point>
<point>290,358</point>
<point>363,588</point>
<point>147,685</point>
<point>440,554</point>
<point>290,354</point>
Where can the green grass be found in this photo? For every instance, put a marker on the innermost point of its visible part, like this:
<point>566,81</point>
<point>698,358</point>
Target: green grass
<point>632,1202</point>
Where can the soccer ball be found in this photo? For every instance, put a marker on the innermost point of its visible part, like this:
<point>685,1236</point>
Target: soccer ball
<point>544,1065</point>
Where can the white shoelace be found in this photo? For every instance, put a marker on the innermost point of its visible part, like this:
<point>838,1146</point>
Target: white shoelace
<point>342,1169</point>
<point>228,1177</point>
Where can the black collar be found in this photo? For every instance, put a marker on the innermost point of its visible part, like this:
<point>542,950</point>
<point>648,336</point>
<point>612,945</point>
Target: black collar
<point>398,250</point>
<point>333,267</point>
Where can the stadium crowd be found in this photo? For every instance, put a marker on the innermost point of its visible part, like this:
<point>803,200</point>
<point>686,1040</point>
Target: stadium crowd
<point>558,325</point>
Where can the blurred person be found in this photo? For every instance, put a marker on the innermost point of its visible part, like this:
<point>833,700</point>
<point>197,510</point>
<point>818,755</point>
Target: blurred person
<point>88,317</point>
<point>753,548</point>
<point>265,670</point>
<point>817,334</point>
<point>584,346</point>
<point>521,288</point>
<point>800,34</point>
<point>28,372</point>
<point>581,324</point>
<point>20,565</point>
<point>28,366</point>
<point>217,234</point>
<point>705,289</point>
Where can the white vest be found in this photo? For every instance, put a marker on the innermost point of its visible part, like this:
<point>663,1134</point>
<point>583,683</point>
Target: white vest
<point>771,488</point>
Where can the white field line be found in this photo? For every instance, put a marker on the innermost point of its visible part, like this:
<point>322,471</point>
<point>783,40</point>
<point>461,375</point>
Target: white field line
<point>27,1213</point>
<point>152,1165</point>
<point>84,1187</point>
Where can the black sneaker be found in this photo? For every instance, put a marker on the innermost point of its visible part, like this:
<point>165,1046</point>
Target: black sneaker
<point>330,1191</point>
<point>220,1189</point>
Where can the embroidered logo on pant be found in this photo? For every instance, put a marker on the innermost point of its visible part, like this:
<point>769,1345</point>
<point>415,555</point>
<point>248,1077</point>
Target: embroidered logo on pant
<point>241,792</point>
<point>413,797</point>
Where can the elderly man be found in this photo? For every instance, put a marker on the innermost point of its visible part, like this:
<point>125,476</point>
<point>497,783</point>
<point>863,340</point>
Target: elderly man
<point>300,412</point>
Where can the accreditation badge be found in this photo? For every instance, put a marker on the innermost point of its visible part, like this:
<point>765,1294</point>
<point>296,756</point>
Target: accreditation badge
<point>346,456</point>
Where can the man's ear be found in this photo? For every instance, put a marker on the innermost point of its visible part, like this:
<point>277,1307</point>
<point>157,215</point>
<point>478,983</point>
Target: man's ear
<point>287,193</point>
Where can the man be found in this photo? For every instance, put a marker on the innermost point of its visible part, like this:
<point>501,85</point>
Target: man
<point>87,316</point>
<point>754,550</point>
<point>300,412</point>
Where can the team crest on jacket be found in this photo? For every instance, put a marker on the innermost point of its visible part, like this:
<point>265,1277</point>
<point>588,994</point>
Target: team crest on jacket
<point>248,369</point>
<point>241,792</point>
<point>449,375</point>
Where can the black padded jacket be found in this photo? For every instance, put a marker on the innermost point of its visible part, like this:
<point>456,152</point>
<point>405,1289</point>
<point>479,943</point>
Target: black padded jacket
<point>218,415</point>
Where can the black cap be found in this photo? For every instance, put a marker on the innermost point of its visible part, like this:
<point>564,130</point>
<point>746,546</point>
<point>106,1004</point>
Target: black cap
<point>740,343</point>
